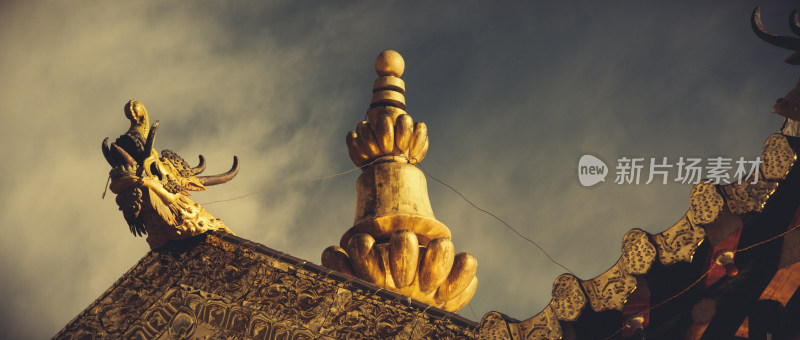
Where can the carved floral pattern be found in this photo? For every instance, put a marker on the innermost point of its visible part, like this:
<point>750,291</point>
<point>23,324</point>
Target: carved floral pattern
<point>637,252</point>
<point>778,158</point>
<point>610,290</point>
<point>679,242</point>
<point>543,326</point>
<point>217,289</point>
<point>494,326</point>
<point>568,298</point>
<point>745,197</point>
<point>705,203</point>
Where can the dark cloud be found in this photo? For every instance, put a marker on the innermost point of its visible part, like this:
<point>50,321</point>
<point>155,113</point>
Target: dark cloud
<point>513,95</point>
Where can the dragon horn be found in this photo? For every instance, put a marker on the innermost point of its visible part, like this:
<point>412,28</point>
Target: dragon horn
<point>200,167</point>
<point>789,43</point>
<point>151,138</point>
<point>221,178</point>
<point>122,153</point>
<point>107,152</point>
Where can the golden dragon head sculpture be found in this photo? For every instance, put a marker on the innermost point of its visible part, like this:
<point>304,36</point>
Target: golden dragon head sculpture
<point>153,191</point>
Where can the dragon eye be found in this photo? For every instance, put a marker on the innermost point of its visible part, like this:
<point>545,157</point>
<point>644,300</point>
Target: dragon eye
<point>155,171</point>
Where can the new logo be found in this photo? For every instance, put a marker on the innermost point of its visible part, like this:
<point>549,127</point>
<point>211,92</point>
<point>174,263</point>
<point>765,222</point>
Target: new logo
<point>591,170</point>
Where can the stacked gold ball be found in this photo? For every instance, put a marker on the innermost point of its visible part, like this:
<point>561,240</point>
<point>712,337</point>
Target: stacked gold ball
<point>389,132</point>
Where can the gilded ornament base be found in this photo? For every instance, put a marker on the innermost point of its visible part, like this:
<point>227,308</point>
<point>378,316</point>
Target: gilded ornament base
<point>433,274</point>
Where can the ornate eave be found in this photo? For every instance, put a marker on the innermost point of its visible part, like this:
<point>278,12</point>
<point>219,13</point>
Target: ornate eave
<point>646,285</point>
<point>729,268</point>
<point>223,286</point>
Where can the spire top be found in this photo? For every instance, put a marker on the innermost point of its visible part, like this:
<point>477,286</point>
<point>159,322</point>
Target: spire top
<point>388,90</point>
<point>390,63</point>
<point>389,134</point>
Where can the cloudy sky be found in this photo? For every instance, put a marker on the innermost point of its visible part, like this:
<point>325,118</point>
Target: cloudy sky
<point>513,95</point>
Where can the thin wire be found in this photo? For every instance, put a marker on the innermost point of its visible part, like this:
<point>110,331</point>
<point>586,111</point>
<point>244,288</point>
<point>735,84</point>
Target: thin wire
<point>768,240</point>
<point>615,333</point>
<point>707,272</point>
<point>647,310</point>
<point>473,311</point>
<point>684,290</point>
<point>311,179</point>
<point>497,218</point>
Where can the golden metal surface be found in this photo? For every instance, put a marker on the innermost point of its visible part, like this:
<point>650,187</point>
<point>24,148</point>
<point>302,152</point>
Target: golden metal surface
<point>390,63</point>
<point>384,133</point>
<point>152,191</point>
<point>220,290</point>
<point>437,260</point>
<point>392,112</point>
<point>395,241</point>
<point>389,83</point>
<point>494,326</point>
<point>705,203</point>
<point>358,156</point>
<point>387,136</point>
<point>568,298</point>
<point>679,242</point>
<point>403,257</point>
<point>464,267</point>
<point>334,257</point>
<point>791,128</point>
<point>463,298</point>
<point>435,276</point>
<point>427,229</point>
<point>388,98</point>
<point>391,196</point>
<point>745,197</point>
<point>777,158</point>
<point>611,289</point>
<point>365,259</point>
<point>637,252</point>
<point>366,140</point>
<point>388,130</point>
<point>544,326</point>
<point>419,143</point>
<point>384,253</point>
<point>402,132</point>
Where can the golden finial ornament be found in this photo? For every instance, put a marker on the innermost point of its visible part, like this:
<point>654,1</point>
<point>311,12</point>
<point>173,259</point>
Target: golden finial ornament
<point>395,241</point>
